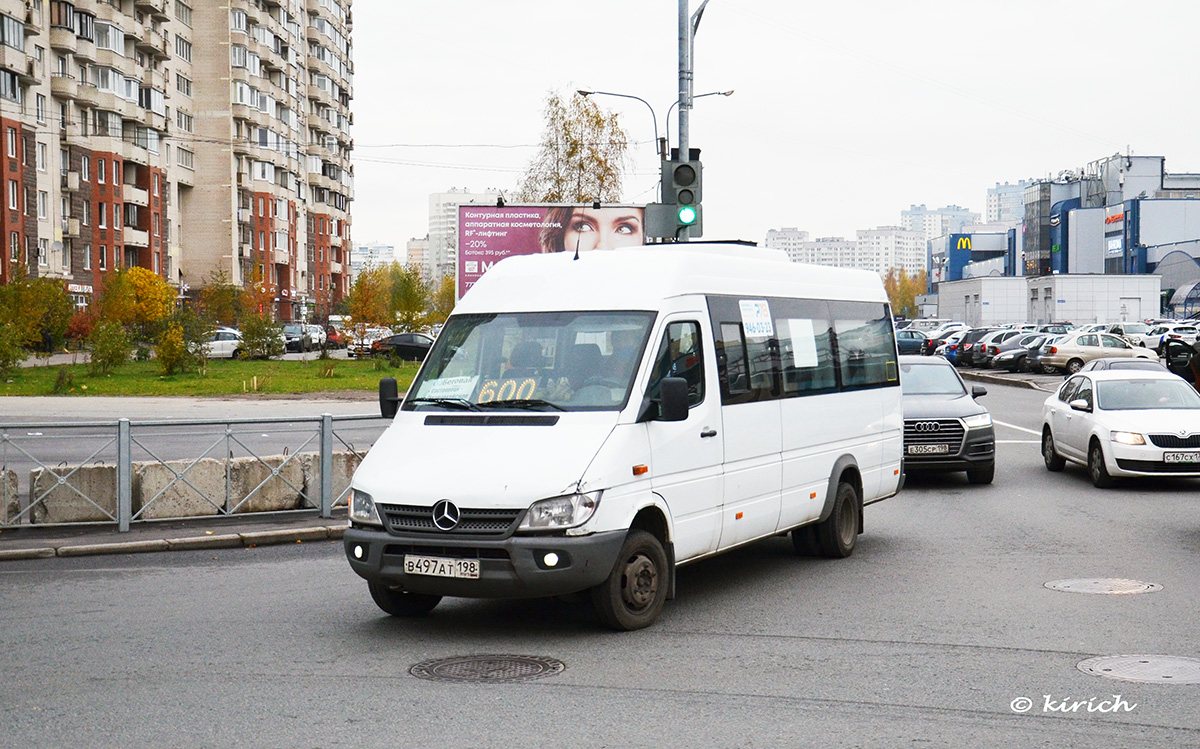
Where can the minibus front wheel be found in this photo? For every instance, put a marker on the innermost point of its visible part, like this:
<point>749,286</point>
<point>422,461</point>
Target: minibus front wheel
<point>398,602</point>
<point>633,595</point>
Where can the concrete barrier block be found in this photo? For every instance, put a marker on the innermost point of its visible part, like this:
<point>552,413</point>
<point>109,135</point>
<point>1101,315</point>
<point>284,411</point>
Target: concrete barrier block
<point>63,502</point>
<point>283,488</point>
<point>345,463</point>
<point>200,493</point>
<point>10,498</point>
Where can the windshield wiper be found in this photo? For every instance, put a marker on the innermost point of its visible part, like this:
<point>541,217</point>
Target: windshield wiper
<point>459,403</point>
<point>532,404</point>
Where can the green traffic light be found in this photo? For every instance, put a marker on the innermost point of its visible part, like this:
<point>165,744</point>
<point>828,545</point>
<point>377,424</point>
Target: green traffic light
<point>687,215</point>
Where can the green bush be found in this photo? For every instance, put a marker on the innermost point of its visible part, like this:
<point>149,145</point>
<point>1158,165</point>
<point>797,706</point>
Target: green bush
<point>110,346</point>
<point>172,351</point>
<point>261,338</point>
<point>11,351</point>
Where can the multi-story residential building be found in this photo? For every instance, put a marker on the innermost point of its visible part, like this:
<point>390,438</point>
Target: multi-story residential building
<point>936,222</point>
<point>888,247</point>
<point>371,254</point>
<point>443,228</point>
<point>416,253</point>
<point>193,139</point>
<point>1006,203</point>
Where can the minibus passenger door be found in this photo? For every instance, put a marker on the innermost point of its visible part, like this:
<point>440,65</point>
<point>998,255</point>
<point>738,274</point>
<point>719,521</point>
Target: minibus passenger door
<point>686,470</point>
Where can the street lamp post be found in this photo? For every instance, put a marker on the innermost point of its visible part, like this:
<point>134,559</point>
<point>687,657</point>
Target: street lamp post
<point>658,145</point>
<point>674,104</point>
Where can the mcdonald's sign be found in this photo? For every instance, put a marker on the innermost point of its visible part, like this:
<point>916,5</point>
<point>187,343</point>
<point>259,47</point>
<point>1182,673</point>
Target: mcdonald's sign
<point>964,243</point>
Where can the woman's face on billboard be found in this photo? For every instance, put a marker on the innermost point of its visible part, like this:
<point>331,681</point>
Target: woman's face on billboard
<point>604,229</point>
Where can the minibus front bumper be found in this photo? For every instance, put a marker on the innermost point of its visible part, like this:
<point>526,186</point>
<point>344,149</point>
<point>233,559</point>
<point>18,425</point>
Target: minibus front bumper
<point>515,567</point>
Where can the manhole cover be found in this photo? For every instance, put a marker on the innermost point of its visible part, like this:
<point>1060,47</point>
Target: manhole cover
<point>491,669</point>
<point>1103,585</point>
<point>1147,669</point>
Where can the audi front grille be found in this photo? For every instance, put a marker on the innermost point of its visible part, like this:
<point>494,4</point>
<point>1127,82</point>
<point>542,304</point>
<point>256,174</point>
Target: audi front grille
<point>935,432</point>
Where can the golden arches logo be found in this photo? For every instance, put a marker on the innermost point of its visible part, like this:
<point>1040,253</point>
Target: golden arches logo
<point>964,243</point>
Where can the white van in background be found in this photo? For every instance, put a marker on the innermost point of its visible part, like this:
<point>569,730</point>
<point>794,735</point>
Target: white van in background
<point>590,424</point>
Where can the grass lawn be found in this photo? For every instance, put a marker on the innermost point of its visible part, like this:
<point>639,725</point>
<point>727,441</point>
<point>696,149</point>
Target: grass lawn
<point>221,377</point>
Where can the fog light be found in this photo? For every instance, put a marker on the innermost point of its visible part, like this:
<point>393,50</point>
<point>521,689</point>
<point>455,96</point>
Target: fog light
<point>550,559</point>
<point>358,552</point>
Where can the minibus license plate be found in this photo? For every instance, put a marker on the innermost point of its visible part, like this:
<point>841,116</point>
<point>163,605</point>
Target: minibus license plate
<point>1181,457</point>
<point>928,449</point>
<point>439,567</point>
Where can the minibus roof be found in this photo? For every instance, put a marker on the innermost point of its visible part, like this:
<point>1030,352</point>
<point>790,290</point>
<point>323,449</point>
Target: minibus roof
<point>641,277</point>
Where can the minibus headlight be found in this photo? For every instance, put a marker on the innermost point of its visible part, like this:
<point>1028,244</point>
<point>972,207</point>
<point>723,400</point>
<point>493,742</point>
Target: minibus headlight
<point>978,420</point>
<point>556,513</point>
<point>362,508</point>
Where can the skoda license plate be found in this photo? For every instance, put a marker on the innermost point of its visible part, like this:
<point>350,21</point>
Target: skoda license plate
<point>928,449</point>
<point>439,567</point>
<point>1181,457</point>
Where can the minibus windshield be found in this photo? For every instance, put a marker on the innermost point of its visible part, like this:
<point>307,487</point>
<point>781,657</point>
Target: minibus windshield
<point>539,361</point>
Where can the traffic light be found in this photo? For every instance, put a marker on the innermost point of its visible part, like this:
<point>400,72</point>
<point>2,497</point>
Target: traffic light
<point>681,182</point>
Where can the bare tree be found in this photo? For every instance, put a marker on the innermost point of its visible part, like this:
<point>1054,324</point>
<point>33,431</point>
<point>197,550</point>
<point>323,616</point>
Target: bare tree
<point>582,156</point>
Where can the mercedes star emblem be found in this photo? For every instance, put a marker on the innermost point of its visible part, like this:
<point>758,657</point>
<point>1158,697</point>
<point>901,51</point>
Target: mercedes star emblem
<point>445,515</point>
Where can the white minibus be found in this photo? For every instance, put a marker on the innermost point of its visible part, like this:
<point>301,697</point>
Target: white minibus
<point>590,422</point>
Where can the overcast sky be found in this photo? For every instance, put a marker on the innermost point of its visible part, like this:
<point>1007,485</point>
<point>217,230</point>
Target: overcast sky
<point>844,113</point>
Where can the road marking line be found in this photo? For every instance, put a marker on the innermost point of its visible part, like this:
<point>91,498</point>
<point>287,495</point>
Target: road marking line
<point>1019,429</point>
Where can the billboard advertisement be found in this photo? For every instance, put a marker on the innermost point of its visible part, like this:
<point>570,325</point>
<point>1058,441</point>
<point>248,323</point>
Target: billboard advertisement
<point>488,234</point>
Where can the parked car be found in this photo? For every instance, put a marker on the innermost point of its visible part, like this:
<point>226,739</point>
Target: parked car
<point>949,349</point>
<point>1071,352</point>
<point>362,341</point>
<point>408,346</point>
<point>945,429</point>
<point>990,345</point>
<point>1014,353</point>
<point>335,338</point>
<point>296,337</point>
<point>938,336</point>
<point>1123,363</point>
<point>1123,423</point>
<point>1157,338</point>
<point>1036,355</point>
<point>1131,331</point>
<point>317,335</point>
<point>910,341</point>
<point>1057,328</point>
<point>224,343</point>
<point>966,347</point>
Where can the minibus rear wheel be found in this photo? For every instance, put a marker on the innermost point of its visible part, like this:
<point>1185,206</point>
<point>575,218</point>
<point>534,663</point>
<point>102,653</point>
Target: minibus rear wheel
<point>401,603</point>
<point>633,595</point>
<point>838,534</point>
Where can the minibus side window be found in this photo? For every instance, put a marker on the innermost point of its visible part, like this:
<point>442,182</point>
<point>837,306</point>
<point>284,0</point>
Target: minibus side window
<point>806,358</point>
<point>865,345</point>
<point>679,355</point>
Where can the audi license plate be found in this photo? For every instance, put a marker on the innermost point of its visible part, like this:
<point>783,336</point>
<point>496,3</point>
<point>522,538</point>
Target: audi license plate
<point>1181,457</point>
<point>439,567</point>
<point>928,449</point>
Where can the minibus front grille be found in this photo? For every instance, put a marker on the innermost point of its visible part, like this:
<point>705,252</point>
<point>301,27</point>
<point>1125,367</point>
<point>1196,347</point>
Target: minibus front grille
<point>474,522</point>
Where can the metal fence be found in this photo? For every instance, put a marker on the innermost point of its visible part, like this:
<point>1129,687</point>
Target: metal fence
<point>123,472</point>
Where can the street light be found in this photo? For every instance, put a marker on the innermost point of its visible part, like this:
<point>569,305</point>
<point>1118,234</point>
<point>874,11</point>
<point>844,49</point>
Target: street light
<point>660,146</point>
<point>697,96</point>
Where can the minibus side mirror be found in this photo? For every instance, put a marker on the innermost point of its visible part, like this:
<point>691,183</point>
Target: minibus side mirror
<point>389,397</point>
<point>671,404</point>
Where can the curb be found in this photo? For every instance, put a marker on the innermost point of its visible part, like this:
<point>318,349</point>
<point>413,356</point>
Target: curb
<point>189,543</point>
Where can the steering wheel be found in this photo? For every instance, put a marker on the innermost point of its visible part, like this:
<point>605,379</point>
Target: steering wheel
<point>602,381</point>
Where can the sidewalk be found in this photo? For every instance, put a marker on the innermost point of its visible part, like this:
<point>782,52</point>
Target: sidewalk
<point>184,535</point>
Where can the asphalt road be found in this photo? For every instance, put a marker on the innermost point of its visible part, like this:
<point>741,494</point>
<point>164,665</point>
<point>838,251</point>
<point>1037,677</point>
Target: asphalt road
<point>929,635</point>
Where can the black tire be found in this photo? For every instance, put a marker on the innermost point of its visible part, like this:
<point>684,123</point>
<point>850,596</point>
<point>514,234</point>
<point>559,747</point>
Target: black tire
<point>1022,365</point>
<point>1074,366</point>
<point>838,534</point>
<point>633,595</point>
<point>1096,467</point>
<point>400,602</point>
<point>1054,461</point>
<point>1047,369</point>
<point>237,354</point>
<point>982,475</point>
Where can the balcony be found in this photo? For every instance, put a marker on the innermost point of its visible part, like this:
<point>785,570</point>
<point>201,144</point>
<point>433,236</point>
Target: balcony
<point>33,22</point>
<point>151,43</point>
<point>156,8</point>
<point>335,267</point>
<point>88,93</point>
<point>135,195</point>
<point>62,39</point>
<point>335,240</point>
<point>63,86</point>
<point>70,181</point>
<point>72,227</point>
<point>136,238</point>
<point>85,50</point>
<point>281,256</point>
